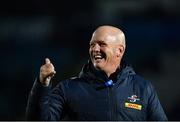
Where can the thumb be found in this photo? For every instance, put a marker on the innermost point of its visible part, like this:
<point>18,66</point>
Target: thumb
<point>47,61</point>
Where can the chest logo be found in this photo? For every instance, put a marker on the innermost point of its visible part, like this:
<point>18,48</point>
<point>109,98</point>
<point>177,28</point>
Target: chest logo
<point>132,103</point>
<point>133,106</point>
<point>133,98</point>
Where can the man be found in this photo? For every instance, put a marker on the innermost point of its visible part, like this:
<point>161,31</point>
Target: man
<point>106,88</point>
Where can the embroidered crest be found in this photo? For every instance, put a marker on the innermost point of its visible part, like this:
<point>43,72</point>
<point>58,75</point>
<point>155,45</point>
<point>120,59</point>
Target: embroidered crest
<point>133,98</point>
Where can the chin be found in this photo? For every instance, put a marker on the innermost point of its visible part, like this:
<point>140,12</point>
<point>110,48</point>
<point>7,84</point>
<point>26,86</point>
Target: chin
<point>98,66</point>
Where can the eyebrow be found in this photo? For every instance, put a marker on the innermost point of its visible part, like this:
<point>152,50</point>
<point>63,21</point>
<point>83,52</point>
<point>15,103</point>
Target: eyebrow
<point>96,41</point>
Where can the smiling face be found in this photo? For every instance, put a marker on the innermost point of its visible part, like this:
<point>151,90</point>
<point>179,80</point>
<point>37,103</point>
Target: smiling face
<point>106,49</point>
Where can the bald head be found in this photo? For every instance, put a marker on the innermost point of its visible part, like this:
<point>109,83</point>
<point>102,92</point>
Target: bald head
<point>113,33</point>
<point>107,47</point>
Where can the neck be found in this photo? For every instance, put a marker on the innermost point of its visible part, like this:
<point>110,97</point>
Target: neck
<point>112,69</point>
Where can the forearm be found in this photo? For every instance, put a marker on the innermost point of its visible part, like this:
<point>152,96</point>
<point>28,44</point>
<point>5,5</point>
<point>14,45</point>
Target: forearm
<point>33,109</point>
<point>44,103</point>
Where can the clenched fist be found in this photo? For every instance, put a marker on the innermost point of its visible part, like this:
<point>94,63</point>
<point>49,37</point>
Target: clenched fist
<point>46,72</point>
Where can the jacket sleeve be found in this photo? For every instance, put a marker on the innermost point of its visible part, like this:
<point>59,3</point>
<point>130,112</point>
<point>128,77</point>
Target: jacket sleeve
<point>154,108</point>
<point>44,103</point>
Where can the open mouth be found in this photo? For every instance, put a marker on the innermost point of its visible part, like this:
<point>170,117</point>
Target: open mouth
<point>99,56</point>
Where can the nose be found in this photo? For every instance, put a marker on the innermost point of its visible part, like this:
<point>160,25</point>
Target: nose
<point>96,48</point>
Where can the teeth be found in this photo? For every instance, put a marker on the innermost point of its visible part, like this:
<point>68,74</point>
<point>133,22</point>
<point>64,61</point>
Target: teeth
<point>98,57</point>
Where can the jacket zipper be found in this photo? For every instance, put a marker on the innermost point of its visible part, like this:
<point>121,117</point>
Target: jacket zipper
<point>110,95</point>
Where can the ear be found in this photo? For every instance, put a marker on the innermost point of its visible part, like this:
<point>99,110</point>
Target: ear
<point>120,51</point>
<point>117,52</point>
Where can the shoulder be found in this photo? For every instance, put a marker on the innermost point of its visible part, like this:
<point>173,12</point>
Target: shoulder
<point>71,82</point>
<point>141,81</point>
<point>67,84</point>
<point>144,85</point>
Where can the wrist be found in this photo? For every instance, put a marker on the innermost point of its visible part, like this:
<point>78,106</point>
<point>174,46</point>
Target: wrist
<point>44,81</point>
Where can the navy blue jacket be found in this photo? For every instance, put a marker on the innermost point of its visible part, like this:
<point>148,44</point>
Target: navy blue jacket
<point>87,97</point>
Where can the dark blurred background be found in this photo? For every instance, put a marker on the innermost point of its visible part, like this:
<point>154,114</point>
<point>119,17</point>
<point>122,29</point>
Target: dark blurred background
<point>31,30</point>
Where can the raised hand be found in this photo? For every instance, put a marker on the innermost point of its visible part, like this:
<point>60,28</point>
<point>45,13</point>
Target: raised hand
<point>47,71</point>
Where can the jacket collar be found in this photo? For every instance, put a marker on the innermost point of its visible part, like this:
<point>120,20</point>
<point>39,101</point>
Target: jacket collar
<point>95,76</point>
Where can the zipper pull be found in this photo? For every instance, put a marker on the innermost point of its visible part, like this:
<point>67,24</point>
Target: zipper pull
<point>109,83</point>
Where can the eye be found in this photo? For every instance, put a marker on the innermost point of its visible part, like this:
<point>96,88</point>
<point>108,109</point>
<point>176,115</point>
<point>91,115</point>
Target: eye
<point>92,44</point>
<point>102,44</point>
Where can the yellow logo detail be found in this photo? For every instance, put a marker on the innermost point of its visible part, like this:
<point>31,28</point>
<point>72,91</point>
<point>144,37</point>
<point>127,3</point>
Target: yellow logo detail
<point>134,106</point>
